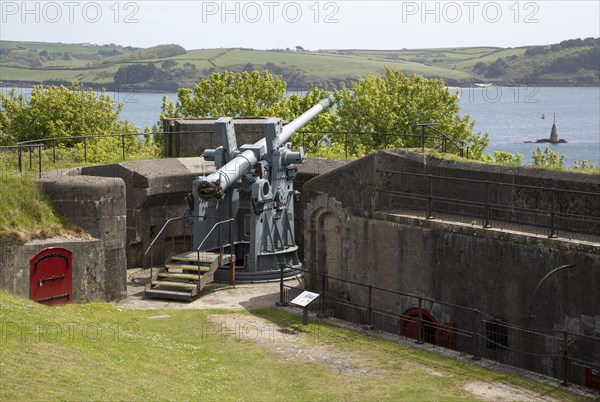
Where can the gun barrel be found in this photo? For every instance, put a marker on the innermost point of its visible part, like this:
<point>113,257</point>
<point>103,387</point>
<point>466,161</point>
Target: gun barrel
<point>289,129</point>
<point>214,185</point>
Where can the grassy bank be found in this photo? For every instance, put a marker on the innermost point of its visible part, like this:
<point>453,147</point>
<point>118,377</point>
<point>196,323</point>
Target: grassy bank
<point>26,213</point>
<point>100,352</point>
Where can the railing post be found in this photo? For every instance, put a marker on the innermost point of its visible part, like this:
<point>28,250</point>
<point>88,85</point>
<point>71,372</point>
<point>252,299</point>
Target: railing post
<point>346,144</point>
<point>552,222</point>
<point>565,360</point>
<point>429,198</point>
<point>231,256</point>
<point>40,162</point>
<point>443,145</point>
<point>486,211</point>
<point>53,151</point>
<point>85,149</point>
<point>385,140</point>
<point>20,159</point>
<point>281,301</point>
<point>151,266</point>
<point>420,323</point>
<point>123,145</point>
<point>476,326</point>
<point>30,158</point>
<point>323,297</point>
<point>370,308</point>
<point>423,138</point>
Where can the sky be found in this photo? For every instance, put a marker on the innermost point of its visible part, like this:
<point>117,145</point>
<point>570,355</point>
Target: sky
<point>311,24</point>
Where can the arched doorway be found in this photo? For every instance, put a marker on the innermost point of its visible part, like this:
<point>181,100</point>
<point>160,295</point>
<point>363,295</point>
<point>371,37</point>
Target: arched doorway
<point>434,332</point>
<point>51,276</point>
<point>409,324</point>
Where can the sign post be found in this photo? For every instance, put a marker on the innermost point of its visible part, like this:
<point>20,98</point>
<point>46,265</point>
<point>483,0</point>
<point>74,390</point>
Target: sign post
<point>303,300</point>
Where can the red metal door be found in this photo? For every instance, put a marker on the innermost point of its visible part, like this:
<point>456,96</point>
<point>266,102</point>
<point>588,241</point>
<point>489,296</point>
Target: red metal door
<point>592,378</point>
<point>51,276</point>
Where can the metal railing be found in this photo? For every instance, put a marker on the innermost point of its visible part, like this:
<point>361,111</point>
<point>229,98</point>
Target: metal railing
<point>199,248</point>
<point>440,142</point>
<point>565,355</point>
<point>221,248</point>
<point>53,144</point>
<point>493,204</point>
<point>29,149</point>
<point>158,236</point>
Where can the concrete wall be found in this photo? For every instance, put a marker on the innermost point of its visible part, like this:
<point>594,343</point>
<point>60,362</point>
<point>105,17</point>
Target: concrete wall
<point>90,273</point>
<point>510,194</point>
<point>97,205</point>
<point>349,233</point>
<point>190,137</point>
<point>156,191</point>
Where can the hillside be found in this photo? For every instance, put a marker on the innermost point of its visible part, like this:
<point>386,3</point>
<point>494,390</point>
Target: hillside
<point>167,67</point>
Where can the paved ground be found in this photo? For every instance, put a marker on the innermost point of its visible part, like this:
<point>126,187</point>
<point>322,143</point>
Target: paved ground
<point>215,295</point>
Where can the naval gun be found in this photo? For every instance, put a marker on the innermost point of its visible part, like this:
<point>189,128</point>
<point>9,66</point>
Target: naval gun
<point>252,187</point>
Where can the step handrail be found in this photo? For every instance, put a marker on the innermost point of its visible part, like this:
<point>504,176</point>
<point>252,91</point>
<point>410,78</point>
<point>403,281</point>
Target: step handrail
<point>221,248</point>
<point>168,222</point>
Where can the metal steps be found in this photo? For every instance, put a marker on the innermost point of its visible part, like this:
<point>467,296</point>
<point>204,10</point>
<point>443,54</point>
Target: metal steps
<point>175,281</point>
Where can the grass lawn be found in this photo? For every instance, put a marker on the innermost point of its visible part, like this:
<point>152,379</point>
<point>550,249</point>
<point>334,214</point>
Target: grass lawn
<point>100,352</point>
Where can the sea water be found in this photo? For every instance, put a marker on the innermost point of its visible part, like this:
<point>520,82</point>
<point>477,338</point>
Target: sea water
<point>511,116</point>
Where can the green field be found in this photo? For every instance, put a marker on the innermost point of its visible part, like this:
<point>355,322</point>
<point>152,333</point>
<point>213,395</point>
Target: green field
<point>100,352</point>
<point>44,62</point>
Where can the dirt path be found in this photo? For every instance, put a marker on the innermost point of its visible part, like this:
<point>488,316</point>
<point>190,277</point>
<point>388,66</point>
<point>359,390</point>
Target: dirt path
<point>297,346</point>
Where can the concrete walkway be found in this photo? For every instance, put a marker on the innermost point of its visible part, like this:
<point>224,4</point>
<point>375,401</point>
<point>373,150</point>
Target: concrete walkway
<point>214,296</point>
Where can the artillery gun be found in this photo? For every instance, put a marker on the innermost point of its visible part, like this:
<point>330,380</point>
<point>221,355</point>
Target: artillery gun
<point>245,210</point>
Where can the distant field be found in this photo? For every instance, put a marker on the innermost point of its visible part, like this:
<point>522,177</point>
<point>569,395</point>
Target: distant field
<point>39,62</point>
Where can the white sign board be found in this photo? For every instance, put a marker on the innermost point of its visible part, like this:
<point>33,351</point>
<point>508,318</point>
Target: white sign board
<point>305,298</point>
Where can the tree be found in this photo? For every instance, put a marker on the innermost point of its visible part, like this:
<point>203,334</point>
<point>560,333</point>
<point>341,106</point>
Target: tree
<point>231,94</point>
<point>393,103</point>
<point>547,158</point>
<point>390,104</point>
<point>55,111</point>
<point>168,65</point>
